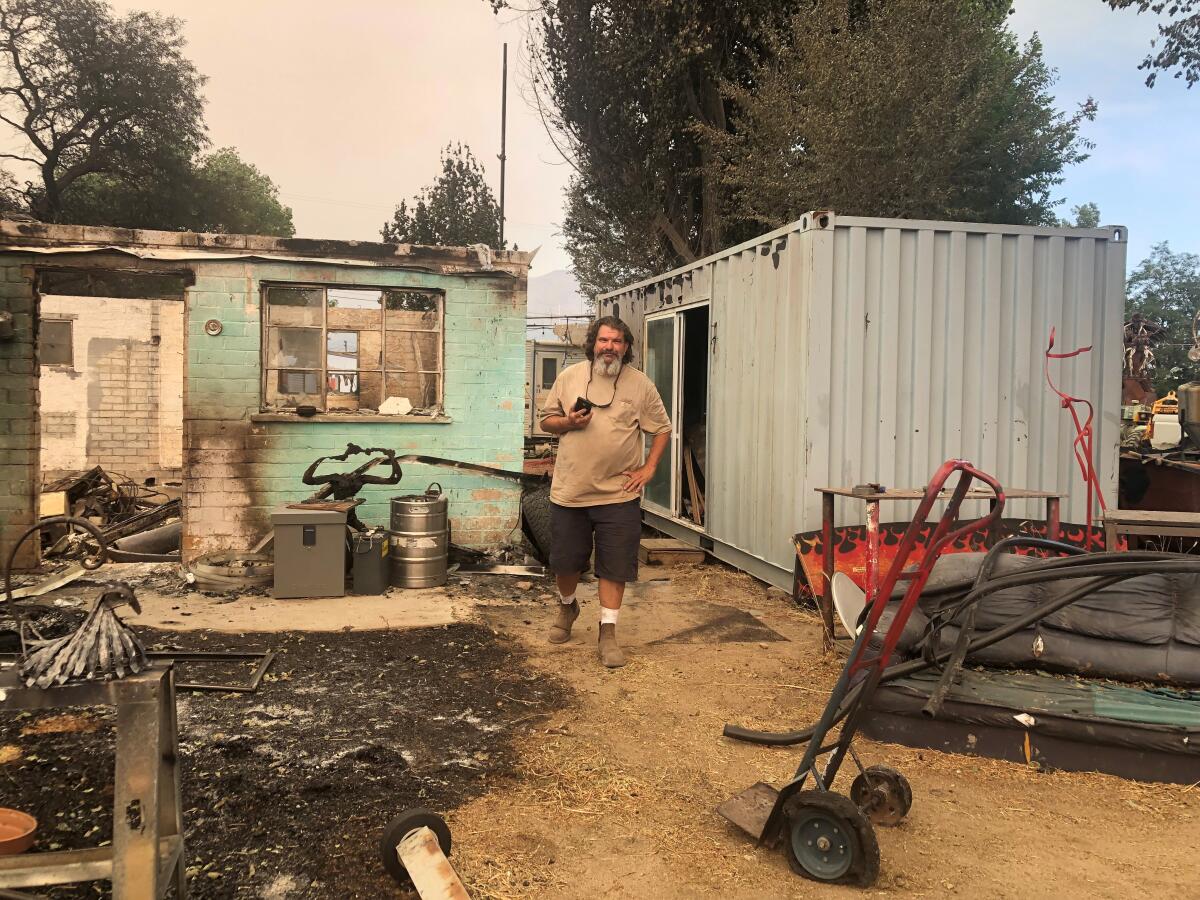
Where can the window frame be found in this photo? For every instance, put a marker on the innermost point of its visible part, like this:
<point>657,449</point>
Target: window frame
<point>552,358</point>
<point>436,411</point>
<point>69,321</point>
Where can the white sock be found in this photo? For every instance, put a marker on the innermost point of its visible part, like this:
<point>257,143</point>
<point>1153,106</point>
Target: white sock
<point>566,600</point>
<point>608,616</point>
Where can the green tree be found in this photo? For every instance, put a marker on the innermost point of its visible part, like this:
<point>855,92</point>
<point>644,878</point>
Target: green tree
<point>932,110</point>
<point>1178,43</point>
<point>220,192</point>
<point>1087,215</point>
<point>12,199</point>
<point>86,92</point>
<point>630,90</point>
<point>456,210</point>
<point>1165,288</point>
<point>646,101</point>
<point>235,196</point>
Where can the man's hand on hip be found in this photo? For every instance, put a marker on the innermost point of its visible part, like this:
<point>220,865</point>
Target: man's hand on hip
<point>636,479</point>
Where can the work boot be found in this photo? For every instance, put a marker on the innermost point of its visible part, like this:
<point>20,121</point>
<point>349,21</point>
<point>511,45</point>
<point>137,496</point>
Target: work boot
<point>560,631</point>
<point>610,653</point>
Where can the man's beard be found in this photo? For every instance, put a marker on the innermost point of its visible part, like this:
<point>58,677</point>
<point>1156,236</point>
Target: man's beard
<point>609,369</point>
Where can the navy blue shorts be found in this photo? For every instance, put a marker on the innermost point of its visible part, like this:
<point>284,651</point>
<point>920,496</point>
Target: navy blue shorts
<point>615,529</point>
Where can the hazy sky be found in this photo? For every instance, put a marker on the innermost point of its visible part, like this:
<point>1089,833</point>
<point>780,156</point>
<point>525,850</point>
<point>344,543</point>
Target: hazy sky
<point>346,105</point>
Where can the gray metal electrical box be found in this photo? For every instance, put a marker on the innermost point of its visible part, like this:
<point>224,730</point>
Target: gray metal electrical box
<point>310,553</point>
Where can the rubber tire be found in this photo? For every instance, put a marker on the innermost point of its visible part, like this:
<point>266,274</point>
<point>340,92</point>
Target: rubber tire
<point>396,830</point>
<point>535,519</point>
<point>864,866</point>
<point>859,787</point>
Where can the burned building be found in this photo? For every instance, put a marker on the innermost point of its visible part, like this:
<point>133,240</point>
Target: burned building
<point>232,361</point>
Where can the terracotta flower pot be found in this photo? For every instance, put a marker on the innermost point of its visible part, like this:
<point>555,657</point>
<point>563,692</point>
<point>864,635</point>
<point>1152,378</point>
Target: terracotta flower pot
<point>16,831</point>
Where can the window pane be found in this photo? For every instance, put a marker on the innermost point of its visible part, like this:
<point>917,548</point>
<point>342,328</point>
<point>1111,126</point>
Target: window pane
<point>355,298</point>
<point>341,350</point>
<point>549,371</point>
<point>298,347</point>
<point>343,382</point>
<point>294,305</point>
<point>291,389</point>
<point>370,390</point>
<point>414,301</point>
<point>341,390</point>
<point>412,309</point>
<point>54,342</point>
<point>370,350</point>
<point>354,308</point>
<point>412,351</point>
<point>103,283</point>
<point>422,391</point>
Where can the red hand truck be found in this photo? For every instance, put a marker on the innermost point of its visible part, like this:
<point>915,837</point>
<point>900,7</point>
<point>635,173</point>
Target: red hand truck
<point>828,836</point>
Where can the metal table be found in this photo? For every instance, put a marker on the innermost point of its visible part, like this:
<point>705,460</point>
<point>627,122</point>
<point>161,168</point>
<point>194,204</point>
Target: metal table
<point>875,494</point>
<point>146,855</point>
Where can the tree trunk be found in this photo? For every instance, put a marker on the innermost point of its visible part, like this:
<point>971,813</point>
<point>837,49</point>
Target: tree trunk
<point>711,232</point>
<point>677,241</point>
<point>48,206</point>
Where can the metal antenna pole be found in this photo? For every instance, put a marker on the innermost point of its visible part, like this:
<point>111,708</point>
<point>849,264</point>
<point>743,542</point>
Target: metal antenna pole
<point>503,129</point>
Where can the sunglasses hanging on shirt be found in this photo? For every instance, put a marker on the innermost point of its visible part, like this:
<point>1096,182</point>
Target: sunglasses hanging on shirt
<point>583,403</point>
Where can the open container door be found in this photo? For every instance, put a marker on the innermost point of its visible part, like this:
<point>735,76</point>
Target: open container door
<point>661,363</point>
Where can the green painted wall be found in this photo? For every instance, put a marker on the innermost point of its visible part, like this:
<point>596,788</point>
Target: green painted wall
<point>238,470</point>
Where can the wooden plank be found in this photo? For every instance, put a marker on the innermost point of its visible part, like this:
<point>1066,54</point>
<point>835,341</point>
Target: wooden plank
<point>328,505</point>
<point>667,544</point>
<point>668,552</point>
<point>693,489</point>
<point>1147,517</point>
<point>52,503</point>
<point>1160,530</point>
<point>427,867</point>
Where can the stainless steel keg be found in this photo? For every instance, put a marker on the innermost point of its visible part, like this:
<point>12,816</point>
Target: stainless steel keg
<point>419,538</point>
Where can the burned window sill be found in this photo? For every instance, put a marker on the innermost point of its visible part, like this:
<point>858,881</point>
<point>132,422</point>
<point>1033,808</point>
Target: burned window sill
<point>350,418</point>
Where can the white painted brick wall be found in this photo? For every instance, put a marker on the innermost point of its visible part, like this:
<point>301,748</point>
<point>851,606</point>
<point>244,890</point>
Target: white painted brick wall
<point>123,393</point>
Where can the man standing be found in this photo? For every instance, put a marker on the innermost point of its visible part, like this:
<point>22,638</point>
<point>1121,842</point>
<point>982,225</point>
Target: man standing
<point>600,408</point>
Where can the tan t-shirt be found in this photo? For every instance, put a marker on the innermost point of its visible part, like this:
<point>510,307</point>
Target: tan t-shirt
<point>588,471</point>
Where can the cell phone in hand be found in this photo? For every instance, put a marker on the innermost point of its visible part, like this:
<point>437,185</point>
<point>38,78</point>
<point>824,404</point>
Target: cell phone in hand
<point>583,404</point>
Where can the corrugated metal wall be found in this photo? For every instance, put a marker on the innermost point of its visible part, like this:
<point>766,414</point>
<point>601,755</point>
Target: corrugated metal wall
<point>874,349</point>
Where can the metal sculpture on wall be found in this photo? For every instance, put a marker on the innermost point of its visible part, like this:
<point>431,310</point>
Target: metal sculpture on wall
<point>345,485</point>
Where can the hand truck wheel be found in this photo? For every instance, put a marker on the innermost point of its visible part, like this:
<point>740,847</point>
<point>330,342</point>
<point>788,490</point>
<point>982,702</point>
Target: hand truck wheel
<point>827,838</point>
<point>396,830</point>
<point>883,794</point>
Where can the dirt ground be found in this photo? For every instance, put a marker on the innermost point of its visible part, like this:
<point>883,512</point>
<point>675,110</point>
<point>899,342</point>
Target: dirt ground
<point>563,779</point>
<point>615,795</point>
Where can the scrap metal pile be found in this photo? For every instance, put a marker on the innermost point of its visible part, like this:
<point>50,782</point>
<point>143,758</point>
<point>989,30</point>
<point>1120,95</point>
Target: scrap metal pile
<point>142,523</point>
<point>101,648</point>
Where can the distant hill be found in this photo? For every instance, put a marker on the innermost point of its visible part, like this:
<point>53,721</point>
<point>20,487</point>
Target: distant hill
<point>556,294</point>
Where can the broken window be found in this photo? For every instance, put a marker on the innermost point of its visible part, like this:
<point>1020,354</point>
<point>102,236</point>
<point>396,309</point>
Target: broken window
<point>112,283</point>
<point>54,342</point>
<point>352,348</point>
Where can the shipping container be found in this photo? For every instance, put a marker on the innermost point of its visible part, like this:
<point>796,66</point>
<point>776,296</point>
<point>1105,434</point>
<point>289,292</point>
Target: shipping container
<point>839,351</point>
